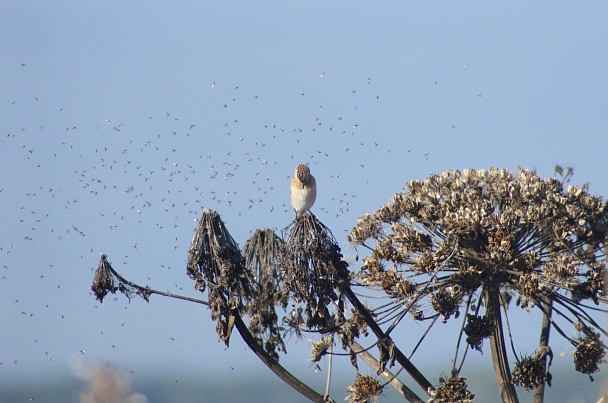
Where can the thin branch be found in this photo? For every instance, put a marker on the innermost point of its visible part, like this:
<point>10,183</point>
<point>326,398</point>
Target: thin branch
<point>428,329</point>
<point>574,308</point>
<point>150,291</point>
<point>464,355</point>
<point>464,321</point>
<point>279,370</point>
<point>503,305</point>
<point>386,374</point>
<point>329,362</point>
<point>385,339</point>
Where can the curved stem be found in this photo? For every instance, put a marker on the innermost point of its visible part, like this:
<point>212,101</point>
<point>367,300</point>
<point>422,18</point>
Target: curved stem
<point>272,363</point>
<point>150,291</point>
<point>464,355</point>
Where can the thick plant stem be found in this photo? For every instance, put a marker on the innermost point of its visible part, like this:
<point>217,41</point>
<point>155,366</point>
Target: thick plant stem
<point>273,364</point>
<point>539,393</point>
<point>497,345</point>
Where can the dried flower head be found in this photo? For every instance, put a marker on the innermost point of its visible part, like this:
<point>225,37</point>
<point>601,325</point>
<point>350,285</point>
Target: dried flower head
<point>477,329</point>
<point>503,225</point>
<point>215,260</point>
<point>367,227</point>
<point>445,303</point>
<point>312,267</point>
<point>104,280</point>
<point>320,348</point>
<point>474,235</point>
<point>365,389</point>
<point>530,372</point>
<point>590,352</point>
<point>262,251</point>
<point>452,390</point>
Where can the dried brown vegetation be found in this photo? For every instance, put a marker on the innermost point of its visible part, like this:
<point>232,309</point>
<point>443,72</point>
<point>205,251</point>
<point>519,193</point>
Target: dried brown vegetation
<point>464,238</point>
<point>456,246</point>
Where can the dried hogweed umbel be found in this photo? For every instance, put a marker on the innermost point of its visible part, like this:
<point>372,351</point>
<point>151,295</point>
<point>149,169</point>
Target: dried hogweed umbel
<point>480,233</point>
<point>590,352</point>
<point>365,389</point>
<point>452,390</point>
<point>312,268</point>
<point>530,372</point>
<point>262,251</point>
<point>477,329</point>
<point>106,278</point>
<point>215,262</point>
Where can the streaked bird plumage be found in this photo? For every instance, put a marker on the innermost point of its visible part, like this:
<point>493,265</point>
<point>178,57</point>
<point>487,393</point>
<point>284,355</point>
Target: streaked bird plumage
<point>303,190</point>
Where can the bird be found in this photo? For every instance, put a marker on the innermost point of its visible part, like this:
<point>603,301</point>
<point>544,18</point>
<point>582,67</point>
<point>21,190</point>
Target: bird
<point>303,190</point>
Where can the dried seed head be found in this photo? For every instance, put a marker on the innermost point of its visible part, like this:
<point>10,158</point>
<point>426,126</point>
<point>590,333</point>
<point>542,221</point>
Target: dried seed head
<point>214,259</point>
<point>514,231</point>
<point>445,303</point>
<point>530,373</point>
<point>104,280</point>
<point>590,352</point>
<point>262,251</point>
<point>312,267</point>
<point>454,389</point>
<point>365,389</point>
<point>367,227</point>
<point>594,287</point>
<point>477,329</point>
<point>320,348</point>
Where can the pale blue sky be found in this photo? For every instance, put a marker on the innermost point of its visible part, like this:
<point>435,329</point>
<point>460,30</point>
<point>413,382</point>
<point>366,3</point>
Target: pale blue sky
<point>121,120</point>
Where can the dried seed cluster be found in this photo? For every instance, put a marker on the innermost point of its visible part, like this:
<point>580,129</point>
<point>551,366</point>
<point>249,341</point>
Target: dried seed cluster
<point>365,389</point>
<point>105,282</point>
<point>445,303</point>
<point>452,390</point>
<point>529,373</point>
<point>590,352</point>
<point>312,268</point>
<point>487,232</point>
<point>477,329</point>
<point>215,262</point>
<point>502,225</point>
<point>320,348</point>
<point>262,251</point>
